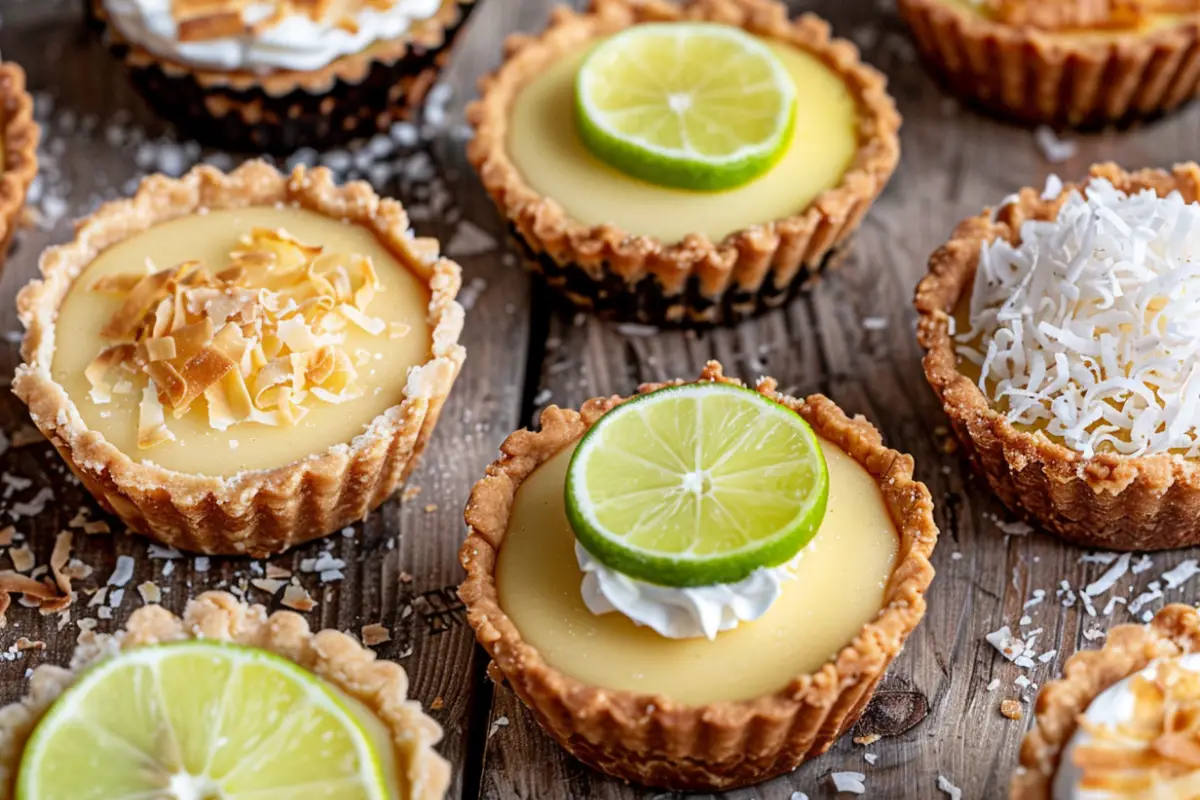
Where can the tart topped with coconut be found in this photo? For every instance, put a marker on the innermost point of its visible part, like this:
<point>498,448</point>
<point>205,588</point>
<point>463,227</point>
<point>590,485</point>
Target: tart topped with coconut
<point>1062,337</point>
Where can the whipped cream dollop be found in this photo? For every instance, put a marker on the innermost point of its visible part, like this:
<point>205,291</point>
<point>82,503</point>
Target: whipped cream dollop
<point>681,612</point>
<point>1115,706</point>
<point>296,42</point>
<point>1089,326</point>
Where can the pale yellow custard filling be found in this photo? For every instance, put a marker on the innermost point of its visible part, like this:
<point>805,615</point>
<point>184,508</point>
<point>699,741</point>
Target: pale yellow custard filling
<point>381,361</point>
<point>838,587</point>
<point>1152,22</point>
<point>546,149</point>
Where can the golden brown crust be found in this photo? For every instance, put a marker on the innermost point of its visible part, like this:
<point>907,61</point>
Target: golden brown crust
<point>743,261</point>
<point>1041,76</point>
<point>262,511</point>
<point>353,68</point>
<point>654,740</point>
<point>1129,648</point>
<point>21,136</point>
<point>381,686</point>
<point>1108,501</point>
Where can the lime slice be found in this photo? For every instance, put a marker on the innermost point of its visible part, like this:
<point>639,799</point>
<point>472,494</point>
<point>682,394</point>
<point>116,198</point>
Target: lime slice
<point>697,484</point>
<point>690,105</point>
<point>202,721</point>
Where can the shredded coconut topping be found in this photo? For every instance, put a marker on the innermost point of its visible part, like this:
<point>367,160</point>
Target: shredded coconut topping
<point>1089,327</point>
<point>258,341</point>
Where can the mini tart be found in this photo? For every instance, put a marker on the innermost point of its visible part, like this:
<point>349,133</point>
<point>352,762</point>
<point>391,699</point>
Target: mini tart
<point>1108,501</point>
<point>281,110</point>
<point>1036,75</point>
<point>18,149</point>
<point>254,511</point>
<point>695,280</point>
<point>653,739</point>
<point>1174,631</point>
<point>380,686</point>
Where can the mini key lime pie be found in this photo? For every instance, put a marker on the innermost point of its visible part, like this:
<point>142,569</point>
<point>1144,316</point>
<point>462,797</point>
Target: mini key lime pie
<point>18,151</point>
<point>1123,721</point>
<point>237,363</point>
<point>697,588</point>
<point>225,703</point>
<point>1065,62</point>
<point>683,163</point>
<point>276,75</point>
<point>1059,331</point>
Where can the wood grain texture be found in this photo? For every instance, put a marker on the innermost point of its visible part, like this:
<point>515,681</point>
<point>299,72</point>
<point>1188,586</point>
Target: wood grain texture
<point>934,711</point>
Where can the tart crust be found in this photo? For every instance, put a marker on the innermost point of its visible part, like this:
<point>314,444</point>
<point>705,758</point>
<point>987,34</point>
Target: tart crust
<point>1109,501</point>
<point>21,137</point>
<point>654,740</point>
<point>381,686</point>
<point>1175,630</point>
<point>281,110</point>
<point>695,280</point>
<point>1039,76</point>
<point>257,511</point>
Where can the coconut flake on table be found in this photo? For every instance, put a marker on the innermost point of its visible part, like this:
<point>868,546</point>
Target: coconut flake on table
<point>1055,149</point>
<point>1141,565</point>
<point>1089,327</point>
<point>1181,574</point>
<point>1003,640</point>
<point>1109,578</point>
<point>945,786</point>
<point>123,572</point>
<point>1017,528</point>
<point>849,782</point>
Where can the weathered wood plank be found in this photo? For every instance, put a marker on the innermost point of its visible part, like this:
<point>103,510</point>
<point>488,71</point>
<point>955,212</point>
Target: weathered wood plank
<point>954,163</point>
<point>401,562</point>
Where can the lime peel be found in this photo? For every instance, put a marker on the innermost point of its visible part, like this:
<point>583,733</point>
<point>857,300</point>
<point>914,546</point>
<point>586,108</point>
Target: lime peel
<point>697,484</point>
<point>698,106</point>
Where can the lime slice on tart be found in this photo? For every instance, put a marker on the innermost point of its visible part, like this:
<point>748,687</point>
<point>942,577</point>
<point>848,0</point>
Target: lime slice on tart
<point>690,105</point>
<point>697,484</point>
<point>204,721</point>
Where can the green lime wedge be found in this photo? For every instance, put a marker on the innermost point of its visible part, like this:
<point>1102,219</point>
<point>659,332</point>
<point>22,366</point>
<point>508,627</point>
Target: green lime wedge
<point>204,721</point>
<point>697,484</point>
<point>690,105</point>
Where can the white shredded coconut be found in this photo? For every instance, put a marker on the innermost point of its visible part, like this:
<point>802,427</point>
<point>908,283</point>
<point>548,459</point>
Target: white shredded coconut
<point>1090,326</point>
<point>949,788</point>
<point>851,782</point>
<point>1109,578</point>
<point>1053,148</point>
<point>1181,574</point>
<point>122,573</point>
<point>1008,645</point>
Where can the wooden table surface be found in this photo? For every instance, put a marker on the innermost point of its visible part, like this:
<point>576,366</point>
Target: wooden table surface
<point>850,338</point>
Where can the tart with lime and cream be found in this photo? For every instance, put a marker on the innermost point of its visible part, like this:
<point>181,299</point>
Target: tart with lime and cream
<point>238,363</point>
<point>1122,722</point>
<point>225,702</point>
<point>696,188</point>
<point>1059,337</point>
<point>1068,62</point>
<point>625,562</point>
<point>18,150</point>
<point>278,75</point>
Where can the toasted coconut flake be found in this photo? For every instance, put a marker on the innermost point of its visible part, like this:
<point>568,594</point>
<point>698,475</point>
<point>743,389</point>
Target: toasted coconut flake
<point>161,348</point>
<point>22,558</point>
<point>297,597</point>
<point>258,339</point>
<point>372,325</point>
<point>6,535</point>
<point>58,560</point>
<point>152,424</point>
<point>269,585</point>
<point>32,590</point>
<point>375,633</point>
<point>150,592</point>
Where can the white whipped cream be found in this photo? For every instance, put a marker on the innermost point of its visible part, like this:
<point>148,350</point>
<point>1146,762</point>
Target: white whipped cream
<point>1111,707</point>
<point>681,612</point>
<point>296,43</point>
